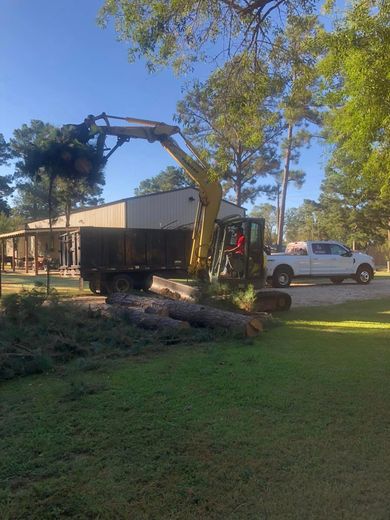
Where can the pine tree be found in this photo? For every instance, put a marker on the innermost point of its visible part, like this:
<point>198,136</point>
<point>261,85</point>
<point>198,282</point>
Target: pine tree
<point>232,118</point>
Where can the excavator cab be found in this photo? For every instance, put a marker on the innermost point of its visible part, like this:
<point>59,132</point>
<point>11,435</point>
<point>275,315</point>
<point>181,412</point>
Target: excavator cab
<point>236,260</point>
<point>246,264</point>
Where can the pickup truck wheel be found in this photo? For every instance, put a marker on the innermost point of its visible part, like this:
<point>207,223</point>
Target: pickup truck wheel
<point>122,283</point>
<point>282,277</point>
<point>364,274</point>
<point>337,281</point>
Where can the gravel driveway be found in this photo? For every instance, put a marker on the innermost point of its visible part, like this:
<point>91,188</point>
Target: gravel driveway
<point>325,293</point>
<point>309,294</point>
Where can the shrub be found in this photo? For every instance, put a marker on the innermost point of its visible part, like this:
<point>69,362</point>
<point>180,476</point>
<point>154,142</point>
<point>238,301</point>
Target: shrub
<point>245,299</point>
<point>25,306</point>
<point>35,336</point>
<point>226,296</point>
<point>218,289</point>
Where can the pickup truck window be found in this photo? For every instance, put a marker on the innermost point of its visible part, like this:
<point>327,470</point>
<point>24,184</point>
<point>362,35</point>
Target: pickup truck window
<point>336,249</point>
<point>321,249</point>
<point>296,250</point>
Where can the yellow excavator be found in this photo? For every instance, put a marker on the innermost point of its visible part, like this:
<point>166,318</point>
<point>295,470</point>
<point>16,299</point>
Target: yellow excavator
<point>212,239</point>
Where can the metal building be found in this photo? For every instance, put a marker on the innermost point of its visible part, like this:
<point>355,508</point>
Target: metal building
<point>168,209</point>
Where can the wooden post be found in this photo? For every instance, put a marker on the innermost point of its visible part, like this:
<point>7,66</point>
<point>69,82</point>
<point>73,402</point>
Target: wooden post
<point>388,249</point>
<point>13,254</point>
<point>48,248</point>
<point>81,283</point>
<point>3,248</point>
<point>36,254</point>
<point>26,254</point>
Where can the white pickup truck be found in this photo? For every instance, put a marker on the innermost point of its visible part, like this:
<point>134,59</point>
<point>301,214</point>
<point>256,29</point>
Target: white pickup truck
<point>319,259</point>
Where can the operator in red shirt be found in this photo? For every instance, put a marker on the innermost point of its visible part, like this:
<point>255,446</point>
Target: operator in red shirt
<point>238,249</point>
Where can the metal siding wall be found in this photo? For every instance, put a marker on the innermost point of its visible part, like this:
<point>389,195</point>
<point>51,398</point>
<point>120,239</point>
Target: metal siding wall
<point>228,210</point>
<point>39,224</point>
<point>149,212</point>
<point>112,215</point>
<point>174,208</point>
<point>157,211</point>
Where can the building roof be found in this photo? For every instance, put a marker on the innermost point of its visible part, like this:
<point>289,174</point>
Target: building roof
<point>105,204</point>
<point>167,191</point>
<point>22,232</point>
<point>36,231</point>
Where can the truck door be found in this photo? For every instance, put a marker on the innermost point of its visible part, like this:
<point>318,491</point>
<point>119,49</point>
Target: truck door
<point>301,262</point>
<point>322,262</point>
<point>342,260</point>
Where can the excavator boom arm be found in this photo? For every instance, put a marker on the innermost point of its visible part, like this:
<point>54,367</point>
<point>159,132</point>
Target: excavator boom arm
<point>210,191</point>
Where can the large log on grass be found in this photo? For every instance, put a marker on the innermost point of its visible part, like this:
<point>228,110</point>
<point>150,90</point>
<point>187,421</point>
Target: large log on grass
<point>150,321</point>
<point>195,314</point>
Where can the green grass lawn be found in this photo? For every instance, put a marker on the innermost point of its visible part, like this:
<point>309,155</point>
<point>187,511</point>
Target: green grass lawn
<point>383,273</point>
<point>15,282</point>
<point>292,425</point>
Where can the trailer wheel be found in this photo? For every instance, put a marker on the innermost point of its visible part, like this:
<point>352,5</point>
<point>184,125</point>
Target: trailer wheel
<point>122,283</point>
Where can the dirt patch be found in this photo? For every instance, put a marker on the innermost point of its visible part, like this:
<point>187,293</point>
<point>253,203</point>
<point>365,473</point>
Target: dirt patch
<point>326,293</point>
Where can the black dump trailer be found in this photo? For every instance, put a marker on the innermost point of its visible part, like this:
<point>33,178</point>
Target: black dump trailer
<point>117,260</point>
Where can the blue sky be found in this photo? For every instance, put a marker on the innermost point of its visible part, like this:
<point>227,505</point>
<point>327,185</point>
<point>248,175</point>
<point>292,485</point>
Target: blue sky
<point>57,65</point>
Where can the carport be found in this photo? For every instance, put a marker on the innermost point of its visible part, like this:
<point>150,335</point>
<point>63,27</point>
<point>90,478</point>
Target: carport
<point>26,249</point>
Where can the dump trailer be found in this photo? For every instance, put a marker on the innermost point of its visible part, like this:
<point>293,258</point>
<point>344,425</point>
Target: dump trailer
<point>117,260</point>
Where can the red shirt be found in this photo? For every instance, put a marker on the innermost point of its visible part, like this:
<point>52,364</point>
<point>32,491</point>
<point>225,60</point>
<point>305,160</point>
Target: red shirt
<point>240,245</point>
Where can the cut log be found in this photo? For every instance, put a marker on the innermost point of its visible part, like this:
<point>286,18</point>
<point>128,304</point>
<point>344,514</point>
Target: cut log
<point>195,314</point>
<point>135,300</point>
<point>149,321</point>
<point>146,318</point>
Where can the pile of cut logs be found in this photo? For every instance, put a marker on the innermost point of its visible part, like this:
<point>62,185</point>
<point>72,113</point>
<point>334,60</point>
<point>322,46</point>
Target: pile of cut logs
<point>153,312</point>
